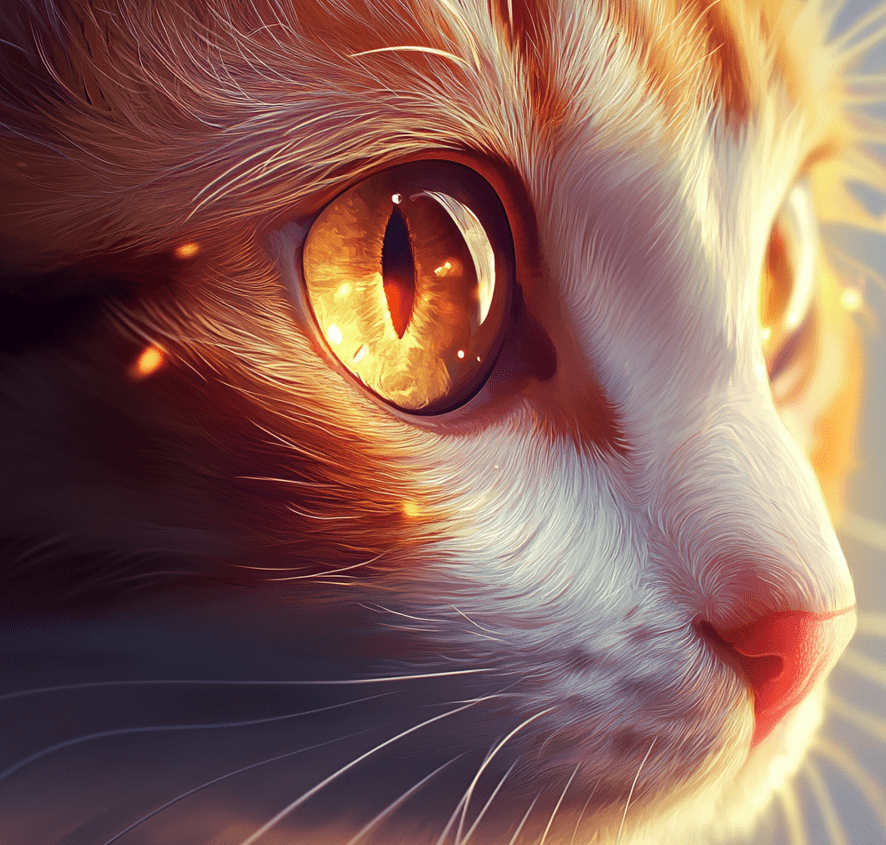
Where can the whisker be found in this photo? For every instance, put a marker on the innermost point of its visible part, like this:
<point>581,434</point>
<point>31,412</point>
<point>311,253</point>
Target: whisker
<point>523,820</point>
<point>787,797</point>
<point>544,836</point>
<point>411,629</point>
<point>826,805</point>
<point>224,777</point>
<point>486,637</point>
<point>867,785</point>
<point>554,733</point>
<point>292,481</point>
<point>475,624</point>
<point>333,518</point>
<point>221,682</point>
<point>581,815</point>
<point>326,573</point>
<point>326,781</point>
<point>624,815</point>
<point>874,726</point>
<point>489,757</point>
<point>79,740</point>
<point>864,666</point>
<point>399,801</point>
<point>486,806</point>
<point>378,608</point>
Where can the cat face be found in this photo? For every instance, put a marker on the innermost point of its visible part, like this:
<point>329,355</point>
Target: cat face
<point>340,581</point>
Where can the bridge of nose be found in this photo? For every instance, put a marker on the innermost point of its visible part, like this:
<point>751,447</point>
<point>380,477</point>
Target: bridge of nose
<point>748,546</point>
<point>739,520</point>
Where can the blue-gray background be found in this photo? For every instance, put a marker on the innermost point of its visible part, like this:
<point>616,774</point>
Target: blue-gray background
<point>856,722</point>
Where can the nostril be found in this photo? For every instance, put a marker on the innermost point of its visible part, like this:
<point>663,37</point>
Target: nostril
<point>783,656</point>
<point>760,669</point>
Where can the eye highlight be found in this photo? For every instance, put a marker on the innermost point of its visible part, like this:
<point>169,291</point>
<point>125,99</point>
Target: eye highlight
<point>409,277</point>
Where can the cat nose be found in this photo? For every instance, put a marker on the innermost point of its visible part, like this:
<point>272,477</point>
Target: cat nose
<point>784,655</point>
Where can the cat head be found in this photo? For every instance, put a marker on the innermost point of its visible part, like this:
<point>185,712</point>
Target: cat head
<point>578,554</point>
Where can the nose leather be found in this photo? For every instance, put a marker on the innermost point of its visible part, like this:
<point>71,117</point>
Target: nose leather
<point>784,655</point>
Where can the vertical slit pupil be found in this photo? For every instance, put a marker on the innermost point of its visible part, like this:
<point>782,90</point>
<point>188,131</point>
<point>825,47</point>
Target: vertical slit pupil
<point>398,272</point>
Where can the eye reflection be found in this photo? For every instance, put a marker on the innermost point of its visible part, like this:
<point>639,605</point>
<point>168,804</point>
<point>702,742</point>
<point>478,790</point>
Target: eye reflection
<point>408,275</point>
<point>789,283</point>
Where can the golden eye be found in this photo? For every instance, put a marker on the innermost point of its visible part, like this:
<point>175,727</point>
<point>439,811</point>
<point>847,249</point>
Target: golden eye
<point>409,277</point>
<point>788,283</point>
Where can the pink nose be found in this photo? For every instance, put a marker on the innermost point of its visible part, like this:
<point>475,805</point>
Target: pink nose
<point>784,655</point>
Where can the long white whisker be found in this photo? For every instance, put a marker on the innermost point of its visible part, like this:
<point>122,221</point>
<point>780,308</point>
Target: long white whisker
<point>292,481</point>
<point>238,683</point>
<point>489,757</point>
<point>333,518</point>
<point>544,836</point>
<point>224,777</point>
<point>787,797</point>
<point>378,608</point>
<point>624,815</point>
<point>826,805</point>
<point>523,820</point>
<point>313,576</point>
<point>486,806</point>
<point>145,729</point>
<point>874,726</point>
<point>867,785</point>
<point>581,815</point>
<point>398,802</point>
<point>475,624</point>
<point>326,781</point>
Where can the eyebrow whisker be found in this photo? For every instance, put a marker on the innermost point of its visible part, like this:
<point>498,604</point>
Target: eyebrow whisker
<point>144,729</point>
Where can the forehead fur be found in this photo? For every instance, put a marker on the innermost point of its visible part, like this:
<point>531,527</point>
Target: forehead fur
<point>215,113</point>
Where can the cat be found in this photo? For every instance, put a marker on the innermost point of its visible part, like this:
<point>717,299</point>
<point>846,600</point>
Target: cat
<point>422,420</point>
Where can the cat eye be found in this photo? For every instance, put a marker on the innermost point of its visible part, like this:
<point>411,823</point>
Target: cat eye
<point>409,277</point>
<point>788,283</point>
